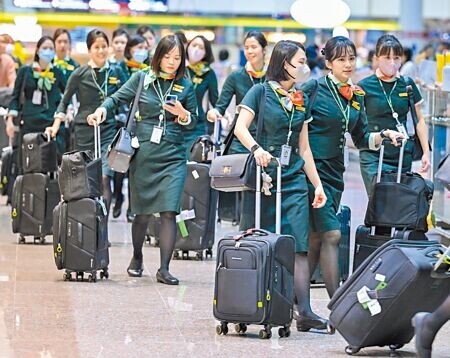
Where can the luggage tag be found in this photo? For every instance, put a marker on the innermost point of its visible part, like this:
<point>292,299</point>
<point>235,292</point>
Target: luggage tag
<point>401,129</point>
<point>37,97</point>
<point>156,134</point>
<point>285,154</point>
<point>374,307</point>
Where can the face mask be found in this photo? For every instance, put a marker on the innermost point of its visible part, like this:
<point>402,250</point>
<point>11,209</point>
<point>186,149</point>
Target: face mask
<point>388,67</point>
<point>140,55</point>
<point>46,55</point>
<point>195,54</point>
<point>9,48</point>
<point>302,73</point>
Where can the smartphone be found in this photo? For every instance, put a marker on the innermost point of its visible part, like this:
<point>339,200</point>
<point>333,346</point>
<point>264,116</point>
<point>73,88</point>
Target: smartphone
<point>171,99</point>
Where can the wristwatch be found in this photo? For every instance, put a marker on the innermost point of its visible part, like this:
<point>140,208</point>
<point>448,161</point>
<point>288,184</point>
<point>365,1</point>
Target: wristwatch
<point>382,135</point>
<point>254,148</point>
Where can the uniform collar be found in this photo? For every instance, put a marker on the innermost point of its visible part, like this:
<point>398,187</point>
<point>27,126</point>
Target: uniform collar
<point>93,65</point>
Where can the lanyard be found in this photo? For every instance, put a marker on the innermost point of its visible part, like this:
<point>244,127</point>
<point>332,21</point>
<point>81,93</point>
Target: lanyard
<point>162,98</point>
<point>104,87</point>
<point>389,100</point>
<point>345,112</point>
<point>289,117</point>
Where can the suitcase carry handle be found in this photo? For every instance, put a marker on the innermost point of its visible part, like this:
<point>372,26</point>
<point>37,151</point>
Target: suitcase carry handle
<point>278,198</point>
<point>251,232</point>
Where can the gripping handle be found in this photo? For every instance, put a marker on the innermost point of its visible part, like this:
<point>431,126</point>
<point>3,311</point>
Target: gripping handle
<point>97,142</point>
<point>278,198</point>
<point>400,159</point>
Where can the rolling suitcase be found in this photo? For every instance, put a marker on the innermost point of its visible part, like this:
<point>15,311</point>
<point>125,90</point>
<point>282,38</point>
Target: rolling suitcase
<point>254,280</point>
<point>80,235</point>
<point>344,217</point>
<point>33,199</point>
<point>9,170</point>
<point>375,305</point>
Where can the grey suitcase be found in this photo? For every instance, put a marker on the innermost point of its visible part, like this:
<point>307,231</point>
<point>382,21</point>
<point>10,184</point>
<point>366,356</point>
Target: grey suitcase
<point>254,280</point>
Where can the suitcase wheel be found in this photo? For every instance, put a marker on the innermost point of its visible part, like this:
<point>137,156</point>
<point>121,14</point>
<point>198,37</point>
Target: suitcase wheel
<point>199,255</point>
<point>284,331</point>
<point>67,276</point>
<point>176,255</point>
<point>209,253</point>
<point>240,328</point>
<point>265,333</point>
<point>185,255</point>
<point>394,347</point>
<point>351,350</point>
<point>21,239</point>
<point>39,240</point>
<point>330,328</point>
<point>80,276</point>
<point>104,274</point>
<point>92,277</point>
<point>222,328</point>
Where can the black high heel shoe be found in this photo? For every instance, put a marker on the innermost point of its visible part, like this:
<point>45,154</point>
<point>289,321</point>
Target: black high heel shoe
<point>130,216</point>
<point>135,268</point>
<point>305,323</point>
<point>417,323</point>
<point>166,277</point>
<point>117,210</point>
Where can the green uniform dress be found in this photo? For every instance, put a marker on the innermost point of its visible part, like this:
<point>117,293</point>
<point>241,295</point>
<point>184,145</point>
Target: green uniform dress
<point>295,203</point>
<point>92,86</point>
<point>38,115</point>
<point>379,116</point>
<point>67,66</point>
<point>238,83</point>
<point>157,171</point>
<point>327,141</point>
<point>204,82</point>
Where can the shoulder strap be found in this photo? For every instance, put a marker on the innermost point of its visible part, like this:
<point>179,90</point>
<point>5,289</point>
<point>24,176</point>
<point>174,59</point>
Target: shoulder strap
<point>412,106</point>
<point>313,96</point>
<point>230,136</point>
<point>134,107</point>
<point>22,88</point>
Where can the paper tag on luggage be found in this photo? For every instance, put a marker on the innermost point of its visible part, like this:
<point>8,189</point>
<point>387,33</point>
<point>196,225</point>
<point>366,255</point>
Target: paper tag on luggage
<point>374,307</point>
<point>185,215</point>
<point>363,296</point>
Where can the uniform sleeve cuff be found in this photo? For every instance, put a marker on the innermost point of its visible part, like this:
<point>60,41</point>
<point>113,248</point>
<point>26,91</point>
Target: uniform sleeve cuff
<point>309,119</point>
<point>60,115</point>
<point>239,107</point>
<point>13,113</point>
<point>372,145</point>
<point>104,113</point>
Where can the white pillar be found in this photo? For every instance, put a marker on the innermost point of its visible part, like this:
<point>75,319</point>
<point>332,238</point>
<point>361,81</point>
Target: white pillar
<point>411,23</point>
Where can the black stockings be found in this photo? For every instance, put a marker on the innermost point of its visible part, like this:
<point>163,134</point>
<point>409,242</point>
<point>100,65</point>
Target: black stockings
<point>434,321</point>
<point>107,193</point>
<point>301,284</point>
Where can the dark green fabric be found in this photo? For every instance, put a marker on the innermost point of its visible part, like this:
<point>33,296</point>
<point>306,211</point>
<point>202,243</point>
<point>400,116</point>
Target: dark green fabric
<point>379,116</point>
<point>202,85</point>
<point>326,138</point>
<point>295,214</point>
<point>157,171</point>
<point>238,83</point>
<point>37,117</point>
<point>81,83</point>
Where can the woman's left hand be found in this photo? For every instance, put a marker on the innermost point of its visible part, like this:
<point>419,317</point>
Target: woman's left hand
<point>319,197</point>
<point>176,108</point>
<point>425,162</point>
<point>395,137</point>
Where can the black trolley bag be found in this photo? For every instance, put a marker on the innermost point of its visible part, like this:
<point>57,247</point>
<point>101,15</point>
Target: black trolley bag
<point>375,305</point>
<point>397,209</point>
<point>80,235</point>
<point>254,280</point>
<point>34,196</point>
<point>198,200</point>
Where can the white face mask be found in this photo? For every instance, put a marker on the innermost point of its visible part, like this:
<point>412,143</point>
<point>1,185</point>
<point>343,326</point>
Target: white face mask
<point>302,73</point>
<point>9,48</point>
<point>195,54</point>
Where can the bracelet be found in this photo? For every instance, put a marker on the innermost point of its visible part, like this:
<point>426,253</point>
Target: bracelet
<point>382,135</point>
<point>254,148</point>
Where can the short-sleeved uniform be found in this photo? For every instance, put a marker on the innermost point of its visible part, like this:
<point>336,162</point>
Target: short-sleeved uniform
<point>38,116</point>
<point>238,83</point>
<point>157,171</point>
<point>379,116</point>
<point>203,83</point>
<point>92,86</point>
<point>294,207</point>
<point>326,138</point>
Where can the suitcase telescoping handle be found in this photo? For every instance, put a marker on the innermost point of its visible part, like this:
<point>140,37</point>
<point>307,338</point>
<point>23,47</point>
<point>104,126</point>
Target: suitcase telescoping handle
<point>400,159</point>
<point>216,136</point>
<point>277,198</point>
<point>97,142</point>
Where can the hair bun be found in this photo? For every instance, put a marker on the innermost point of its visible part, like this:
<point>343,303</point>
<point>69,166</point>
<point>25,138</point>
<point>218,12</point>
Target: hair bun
<point>322,51</point>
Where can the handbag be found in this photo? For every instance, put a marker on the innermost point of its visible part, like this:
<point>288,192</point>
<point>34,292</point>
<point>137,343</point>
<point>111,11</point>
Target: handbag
<point>121,150</point>
<point>202,150</point>
<point>39,153</point>
<point>237,172</point>
<point>443,172</point>
<point>417,148</point>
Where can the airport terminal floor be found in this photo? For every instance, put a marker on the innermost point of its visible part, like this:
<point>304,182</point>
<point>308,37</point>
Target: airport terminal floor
<point>44,317</point>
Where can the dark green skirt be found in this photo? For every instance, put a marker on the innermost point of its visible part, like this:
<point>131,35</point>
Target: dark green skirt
<point>294,205</point>
<point>331,173</point>
<point>157,176</point>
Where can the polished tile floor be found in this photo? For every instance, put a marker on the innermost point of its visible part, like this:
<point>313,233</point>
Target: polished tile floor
<point>42,316</point>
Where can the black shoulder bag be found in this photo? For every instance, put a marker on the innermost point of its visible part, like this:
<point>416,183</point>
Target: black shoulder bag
<point>237,172</point>
<point>417,150</point>
<point>120,151</point>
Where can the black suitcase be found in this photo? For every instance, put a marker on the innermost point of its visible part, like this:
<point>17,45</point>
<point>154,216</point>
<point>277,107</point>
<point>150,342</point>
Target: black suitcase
<point>9,170</point>
<point>80,238</point>
<point>33,200</point>
<point>344,217</point>
<point>375,305</point>
<point>38,153</point>
<point>254,280</point>
<point>198,200</point>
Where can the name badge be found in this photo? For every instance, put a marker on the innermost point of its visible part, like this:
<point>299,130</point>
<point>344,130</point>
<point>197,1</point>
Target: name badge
<point>156,135</point>
<point>37,97</point>
<point>401,129</point>
<point>285,154</point>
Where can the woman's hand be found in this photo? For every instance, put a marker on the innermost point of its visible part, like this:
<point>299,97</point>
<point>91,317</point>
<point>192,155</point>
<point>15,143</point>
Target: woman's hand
<point>95,118</point>
<point>319,197</point>
<point>10,128</point>
<point>212,115</point>
<point>262,157</point>
<point>395,137</point>
<point>425,162</point>
<point>176,108</point>
<point>52,131</point>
